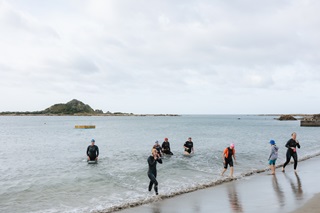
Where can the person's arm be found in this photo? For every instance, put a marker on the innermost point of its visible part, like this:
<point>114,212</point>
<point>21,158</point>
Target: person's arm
<point>88,151</point>
<point>223,156</point>
<point>159,160</point>
<point>234,154</point>
<point>97,151</point>
<point>298,144</point>
<point>270,153</point>
<point>184,146</point>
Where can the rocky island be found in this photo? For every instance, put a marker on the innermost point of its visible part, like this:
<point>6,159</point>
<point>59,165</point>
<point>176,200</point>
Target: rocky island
<point>287,118</point>
<point>77,108</point>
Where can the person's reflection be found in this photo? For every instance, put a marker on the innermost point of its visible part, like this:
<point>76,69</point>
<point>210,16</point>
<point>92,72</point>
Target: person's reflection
<point>234,199</point>
<point>296,188</point>
<point>156,208</point>
<point>278,190</point>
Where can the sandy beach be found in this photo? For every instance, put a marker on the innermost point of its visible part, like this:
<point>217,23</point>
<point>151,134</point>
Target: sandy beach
<point>284,192</point>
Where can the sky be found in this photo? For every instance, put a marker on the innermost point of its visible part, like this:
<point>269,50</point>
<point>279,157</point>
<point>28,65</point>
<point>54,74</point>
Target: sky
<point>152,56</point>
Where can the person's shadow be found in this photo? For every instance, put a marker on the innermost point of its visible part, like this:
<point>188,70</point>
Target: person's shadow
<point>233,196</point>
<point>278,190</point>
<point>296,187</point>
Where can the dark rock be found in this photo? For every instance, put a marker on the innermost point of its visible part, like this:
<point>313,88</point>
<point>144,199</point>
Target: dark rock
<point>287,118</point>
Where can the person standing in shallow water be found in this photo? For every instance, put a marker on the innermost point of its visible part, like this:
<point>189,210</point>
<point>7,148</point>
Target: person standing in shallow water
<point>188,147</point>
<point>152,171</point>
<point>292,145</point>
<point>93,151</point>
<point>273,156</point>
<point>227,155</point>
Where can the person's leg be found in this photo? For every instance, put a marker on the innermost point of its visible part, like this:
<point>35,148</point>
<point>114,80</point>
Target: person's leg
<point>295,158</point>
<point>231,171</point>
<point>150,185</point>
<point>225,166</point>
<point>231,168</point>
<point>287,161</point>
<point>154,181</point>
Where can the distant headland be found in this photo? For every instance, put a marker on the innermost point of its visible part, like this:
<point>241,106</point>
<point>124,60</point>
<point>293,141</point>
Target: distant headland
<point>76,108</point>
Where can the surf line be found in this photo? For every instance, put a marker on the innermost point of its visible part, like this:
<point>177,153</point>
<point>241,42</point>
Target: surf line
<point>143,201</point>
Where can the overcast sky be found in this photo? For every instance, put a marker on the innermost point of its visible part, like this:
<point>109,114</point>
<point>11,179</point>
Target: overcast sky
<point>145,56</point>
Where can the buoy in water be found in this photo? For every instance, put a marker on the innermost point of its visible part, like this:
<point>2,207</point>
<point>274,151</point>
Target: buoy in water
<point>84,126</point>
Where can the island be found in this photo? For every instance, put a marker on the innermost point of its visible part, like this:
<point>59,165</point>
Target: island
<point>76,108</point>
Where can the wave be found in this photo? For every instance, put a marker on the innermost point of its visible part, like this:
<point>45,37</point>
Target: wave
<point>151,199</point>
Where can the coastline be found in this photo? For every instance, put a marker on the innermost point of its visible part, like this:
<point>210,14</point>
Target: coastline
<point>283,192</point>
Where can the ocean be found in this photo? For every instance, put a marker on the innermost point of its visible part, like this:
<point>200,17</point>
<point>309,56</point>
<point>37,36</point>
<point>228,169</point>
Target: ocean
<point>44,169</point>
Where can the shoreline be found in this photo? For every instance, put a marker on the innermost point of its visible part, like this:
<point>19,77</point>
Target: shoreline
<point>214,190</point>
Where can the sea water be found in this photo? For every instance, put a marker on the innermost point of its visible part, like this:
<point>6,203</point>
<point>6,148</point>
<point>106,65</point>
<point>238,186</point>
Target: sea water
<point>44,169</point>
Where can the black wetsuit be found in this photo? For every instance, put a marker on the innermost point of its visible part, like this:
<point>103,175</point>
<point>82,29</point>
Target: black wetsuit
<point>166,148</point>
<point>292,153</point>
<point>93,152</point>
<point>152,172</point>
<point>189,145</point>
<point>228,160</point>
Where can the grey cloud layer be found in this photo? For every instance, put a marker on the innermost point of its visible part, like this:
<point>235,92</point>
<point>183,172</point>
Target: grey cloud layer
<point>186,48</point>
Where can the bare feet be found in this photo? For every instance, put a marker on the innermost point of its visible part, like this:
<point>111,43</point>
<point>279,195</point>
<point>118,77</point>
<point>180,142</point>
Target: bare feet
<point>282,169</point>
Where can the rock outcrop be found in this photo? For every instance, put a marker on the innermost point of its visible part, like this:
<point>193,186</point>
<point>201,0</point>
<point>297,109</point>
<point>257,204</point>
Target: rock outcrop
<point>311,120</point>
<point>287,118</point>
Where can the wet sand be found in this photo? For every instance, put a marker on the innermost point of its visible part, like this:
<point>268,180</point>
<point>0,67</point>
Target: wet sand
<point>284,192</point>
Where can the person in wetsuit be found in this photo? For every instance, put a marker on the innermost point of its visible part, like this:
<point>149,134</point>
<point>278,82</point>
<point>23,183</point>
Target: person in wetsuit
<point>157,147</point>
<point>93,151</point>
<point>227,155</point>
<point>166,147</point>
<point>188,146</point>
<point>152,171</point>
<point>292,145</point>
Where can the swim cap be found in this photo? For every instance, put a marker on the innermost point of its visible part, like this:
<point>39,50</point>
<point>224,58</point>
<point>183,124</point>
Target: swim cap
<point>92,140</point>
<point>232,145</point>
<point>156,142</point>
<point>165,138</point>
<point>272,142</point>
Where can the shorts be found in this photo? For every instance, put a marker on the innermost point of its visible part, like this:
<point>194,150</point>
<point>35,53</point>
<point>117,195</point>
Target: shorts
<point>272,162</point>
<point>230,163</point>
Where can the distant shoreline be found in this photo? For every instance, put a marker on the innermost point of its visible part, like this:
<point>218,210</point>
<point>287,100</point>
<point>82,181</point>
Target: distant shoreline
<point>86,114</point>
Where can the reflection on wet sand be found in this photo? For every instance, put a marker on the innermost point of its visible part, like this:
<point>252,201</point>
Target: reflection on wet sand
<point>278,190</point>
<point>235,204</point>
<point>156,208</point>
<point>296,187</point>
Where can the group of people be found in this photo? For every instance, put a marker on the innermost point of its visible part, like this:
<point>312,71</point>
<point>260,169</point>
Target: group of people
<point>228,156</point>
<point>291,146</point>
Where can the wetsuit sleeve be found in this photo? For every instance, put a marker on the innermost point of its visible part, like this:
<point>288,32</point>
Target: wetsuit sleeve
<point>159,160</point>
<point>97,151</point>
<point>162,146</point>
<point>298,145</point>
<point>88,151</point>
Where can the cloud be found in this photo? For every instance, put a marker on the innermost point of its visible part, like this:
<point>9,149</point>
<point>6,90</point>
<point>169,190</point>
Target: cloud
<point>130,53</point>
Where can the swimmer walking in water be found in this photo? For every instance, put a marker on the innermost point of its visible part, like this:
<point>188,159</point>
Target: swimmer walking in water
<point>227,155</point>
<point>152,171</point>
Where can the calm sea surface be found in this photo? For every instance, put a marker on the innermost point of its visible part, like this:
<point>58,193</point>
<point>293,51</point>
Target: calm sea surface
<point>44,169</point>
